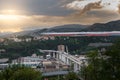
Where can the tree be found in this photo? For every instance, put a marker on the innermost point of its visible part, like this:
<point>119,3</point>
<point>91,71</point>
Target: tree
<point>103,67</point>
<point>71,76</point>
<point>92,70</point>
<point>114,61</point>
<point>20,73</point>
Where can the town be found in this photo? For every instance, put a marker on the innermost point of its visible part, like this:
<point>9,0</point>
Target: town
<point>59,39</point>
<point>51,62</point>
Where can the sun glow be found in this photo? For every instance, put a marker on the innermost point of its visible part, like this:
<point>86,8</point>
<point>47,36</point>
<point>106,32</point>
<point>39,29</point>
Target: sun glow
<point>10,11</point>
<point>11,20</point>
<point>9,17</point>
<point>10,14</point>
<point>10,30</point>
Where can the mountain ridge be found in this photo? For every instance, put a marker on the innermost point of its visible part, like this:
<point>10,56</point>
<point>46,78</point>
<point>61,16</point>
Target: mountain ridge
<point>110,26</point>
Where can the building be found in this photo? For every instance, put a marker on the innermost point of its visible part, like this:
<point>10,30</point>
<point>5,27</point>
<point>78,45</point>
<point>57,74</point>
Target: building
<point>4,60</point>
<point>100,44</point>
<point>53,65</point>
<point>2,51</point>
<point>61,48</point>
<point>29,61</point>
<point>3,63</point>
<point>1,40</point>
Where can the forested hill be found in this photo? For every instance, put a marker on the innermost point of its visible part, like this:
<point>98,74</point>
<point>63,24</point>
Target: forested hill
<point>110,26</point>
<point>67,28</point>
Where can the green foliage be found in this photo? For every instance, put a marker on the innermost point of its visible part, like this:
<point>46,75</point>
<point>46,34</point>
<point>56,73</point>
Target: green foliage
<point>76,45</point>
<point>20,73</point>
<point>71,76</point>
<point>103,67</point>
<point>58,77</point>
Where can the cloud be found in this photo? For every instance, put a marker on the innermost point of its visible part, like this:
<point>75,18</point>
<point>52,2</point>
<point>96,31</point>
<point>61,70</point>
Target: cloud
<point>48,13</point>
<point>88,5</point>
<point>119,9</point>
<point>91,6</point>
<point>30,22</point>
<point>94,16</point>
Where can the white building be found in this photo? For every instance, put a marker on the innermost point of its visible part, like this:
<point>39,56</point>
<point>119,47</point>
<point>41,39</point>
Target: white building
<point>30,61</point>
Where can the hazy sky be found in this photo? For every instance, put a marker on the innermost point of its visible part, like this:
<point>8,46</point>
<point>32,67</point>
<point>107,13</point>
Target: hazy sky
<point>18,15</point>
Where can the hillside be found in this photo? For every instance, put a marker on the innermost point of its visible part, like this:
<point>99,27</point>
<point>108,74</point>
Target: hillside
<point>110,26</point>
<point>76,45</point>
<point>67,28</point>
<point>62,28</point>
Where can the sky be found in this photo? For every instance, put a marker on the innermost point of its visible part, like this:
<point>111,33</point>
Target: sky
<point>20,15</point>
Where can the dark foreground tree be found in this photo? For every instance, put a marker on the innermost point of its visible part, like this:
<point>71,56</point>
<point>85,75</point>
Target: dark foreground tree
<point>71,76</point>
<point>20,73</point>
<point>103,67</point>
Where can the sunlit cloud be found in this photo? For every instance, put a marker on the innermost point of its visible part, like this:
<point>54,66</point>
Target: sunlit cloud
<point>9,11</point>
<point>87,5</point>
<point>30,22</point>
<point>14,17</point>
<point>11,17</point>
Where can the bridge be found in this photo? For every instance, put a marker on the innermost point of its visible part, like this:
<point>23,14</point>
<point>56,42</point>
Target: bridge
<point>67,58</point>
